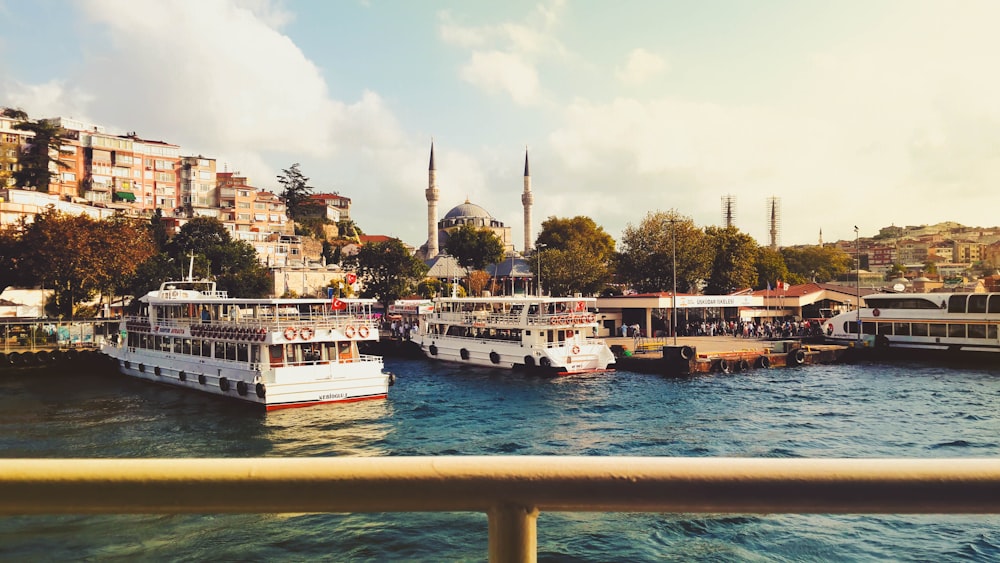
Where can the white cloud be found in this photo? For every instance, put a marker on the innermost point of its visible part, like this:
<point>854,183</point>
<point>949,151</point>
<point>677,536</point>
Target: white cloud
<point>504,57</point>
<point>641,66</point>
<point>505,72</point>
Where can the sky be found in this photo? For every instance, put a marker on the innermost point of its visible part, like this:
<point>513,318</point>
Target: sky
<point>864,113</point>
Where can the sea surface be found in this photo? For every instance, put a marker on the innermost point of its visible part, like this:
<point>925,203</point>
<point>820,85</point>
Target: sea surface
<point>859,410</point>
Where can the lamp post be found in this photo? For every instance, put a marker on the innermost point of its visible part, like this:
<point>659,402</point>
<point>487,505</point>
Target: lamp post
<point>673,296</point>
<point>857,278</point>
<point>538,250</point>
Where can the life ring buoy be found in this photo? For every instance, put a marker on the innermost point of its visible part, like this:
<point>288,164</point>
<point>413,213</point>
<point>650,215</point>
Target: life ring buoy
<point>576,349</point>
<point>464,353</point>
<point>569,333</point>
<point>224,384</point>
<point>290,333</point>
<point>349,331</point>
<point>261,335</point>
<point>306,333</point>
<point>363,332</point>
<point>829,329</point>
<point>494,357</point>
<point>876,312</point>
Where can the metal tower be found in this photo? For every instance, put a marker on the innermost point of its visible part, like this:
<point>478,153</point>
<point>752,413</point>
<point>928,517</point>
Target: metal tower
<point>728,210</point>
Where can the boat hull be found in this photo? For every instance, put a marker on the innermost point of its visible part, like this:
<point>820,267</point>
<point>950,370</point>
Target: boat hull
<point>282,388</point>
<point>588,357</point>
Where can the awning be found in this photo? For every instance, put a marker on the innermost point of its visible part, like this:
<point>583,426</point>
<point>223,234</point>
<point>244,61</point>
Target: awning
<point>125,196</point>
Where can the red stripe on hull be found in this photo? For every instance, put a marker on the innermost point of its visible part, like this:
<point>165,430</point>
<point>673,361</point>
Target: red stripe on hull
<point>313,403</point>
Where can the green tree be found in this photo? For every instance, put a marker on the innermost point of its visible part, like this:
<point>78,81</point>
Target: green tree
<point>10,255</point>
<point>124,244</point>
<point>40,157</point>
<point>896,271</point>
<point>296,192</point>
<point>734,257</point>
<point>429,287</point>
<point>158,230</point>
<point>576,256</point>
<point>770,268</point>
<point>388,270</point>
<point>233,264</point>
<point>474,247</point>
<point>60,252</point>
<point>822,263</point>
<point>646,260</point>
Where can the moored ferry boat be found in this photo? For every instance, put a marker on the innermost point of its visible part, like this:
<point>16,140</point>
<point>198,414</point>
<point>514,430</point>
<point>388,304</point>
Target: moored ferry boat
<point>962,323</point>
<point>277,353</point>
<point>552,334</point>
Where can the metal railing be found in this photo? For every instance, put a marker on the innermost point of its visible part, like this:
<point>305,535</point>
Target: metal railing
<point>511,490</point>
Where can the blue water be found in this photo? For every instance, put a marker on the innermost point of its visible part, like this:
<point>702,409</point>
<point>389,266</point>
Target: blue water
<point>865,410</point>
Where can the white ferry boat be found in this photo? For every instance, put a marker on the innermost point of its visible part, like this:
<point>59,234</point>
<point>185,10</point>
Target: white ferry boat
<point>552,334</point>
<point>954,322</point>
<point>277,353</point>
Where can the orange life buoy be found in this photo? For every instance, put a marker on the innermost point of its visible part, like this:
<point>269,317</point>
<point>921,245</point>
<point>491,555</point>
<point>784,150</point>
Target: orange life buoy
<point>306,333</point>
<point>349,331</point>
<point>363,332</point>
<point>290,333</point>
<point>576,349</point>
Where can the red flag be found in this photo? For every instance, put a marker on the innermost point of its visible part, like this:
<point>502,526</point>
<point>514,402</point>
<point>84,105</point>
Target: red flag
<point>581,306</point>
<point>337,304</point>
<point>351,278</point>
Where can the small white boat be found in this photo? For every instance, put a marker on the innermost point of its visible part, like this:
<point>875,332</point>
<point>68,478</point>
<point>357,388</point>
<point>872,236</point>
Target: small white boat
<point>551,334</point>
<point>276,353</point>
<point>964,325</point>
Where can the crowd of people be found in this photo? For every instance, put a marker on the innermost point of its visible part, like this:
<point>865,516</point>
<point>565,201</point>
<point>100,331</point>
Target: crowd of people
<point>752,329</point>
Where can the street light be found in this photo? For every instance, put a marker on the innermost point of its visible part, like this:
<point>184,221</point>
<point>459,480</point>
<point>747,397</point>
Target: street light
<point>673,296</point>
<point>857,278</point>
<point>538,251</point>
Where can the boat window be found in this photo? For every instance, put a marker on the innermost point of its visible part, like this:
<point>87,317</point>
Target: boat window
<point>850,327</point>
<point>938,330</point>
<point>991,332</point>
<point>179,345</point>
<point>994,304</point>
<point>956,331</point>
<point>242,352</point>
<point>867,327</point>
<point>885,328</point>
<point>901,329</point>
<point>956,303</point>
<point>977,331</point>
<point>918,329</point>
<point>977,303</point>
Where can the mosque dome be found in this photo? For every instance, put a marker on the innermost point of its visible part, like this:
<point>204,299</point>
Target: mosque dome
<point>468,210</point>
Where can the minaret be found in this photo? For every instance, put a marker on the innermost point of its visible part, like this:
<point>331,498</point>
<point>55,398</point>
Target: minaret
<point>432,208</point>
<point>527,199</point>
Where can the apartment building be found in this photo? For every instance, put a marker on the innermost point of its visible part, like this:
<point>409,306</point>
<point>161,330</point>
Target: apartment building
<point>199,186</point>
<point>338,207</point>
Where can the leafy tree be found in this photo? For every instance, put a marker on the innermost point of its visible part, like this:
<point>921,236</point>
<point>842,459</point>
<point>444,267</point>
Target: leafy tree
<point>388,270</point>
<point>896,271</point>
<point>233,264</point>
<point>646,259</point>
<point>429,287</point>
<point>158,230</point>
<point>296,192</point>
<point>734,256</point>
<point>34,170</point>
<point>478,280</point>
<point>474,247</point>
<point>822,263</point>
<point>10,255</point>
<point>576,256</point>
<point>125,243</point>
<point>930,267</point>
<point>60,251</point>
<point>770,268</point>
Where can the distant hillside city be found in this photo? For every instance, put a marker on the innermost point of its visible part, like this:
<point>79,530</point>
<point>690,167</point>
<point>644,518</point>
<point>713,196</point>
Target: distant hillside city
<point>101,174</point>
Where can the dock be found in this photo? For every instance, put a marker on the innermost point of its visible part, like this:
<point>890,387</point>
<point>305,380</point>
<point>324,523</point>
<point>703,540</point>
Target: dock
<point>717,354</point>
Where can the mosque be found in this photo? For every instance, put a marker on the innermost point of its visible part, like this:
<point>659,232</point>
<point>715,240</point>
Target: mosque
<point>513,270</point>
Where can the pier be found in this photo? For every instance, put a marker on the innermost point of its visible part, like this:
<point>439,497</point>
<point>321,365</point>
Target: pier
<point>717,354</point>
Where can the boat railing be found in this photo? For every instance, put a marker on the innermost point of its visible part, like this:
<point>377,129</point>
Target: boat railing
<point>511,490</point>
<point>269,323</point>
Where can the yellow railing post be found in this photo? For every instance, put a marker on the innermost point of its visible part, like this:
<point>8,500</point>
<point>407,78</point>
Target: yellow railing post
<point>513,534</point>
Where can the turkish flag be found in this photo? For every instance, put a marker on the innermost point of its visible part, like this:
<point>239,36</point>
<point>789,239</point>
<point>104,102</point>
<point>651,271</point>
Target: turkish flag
<point>351,278</point>
<point>337,304</point>
<point>581,306</point>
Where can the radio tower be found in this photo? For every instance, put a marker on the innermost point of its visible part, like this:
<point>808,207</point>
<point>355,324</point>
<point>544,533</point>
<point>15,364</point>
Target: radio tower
<point>773,221</point>
<point>728,210</point>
